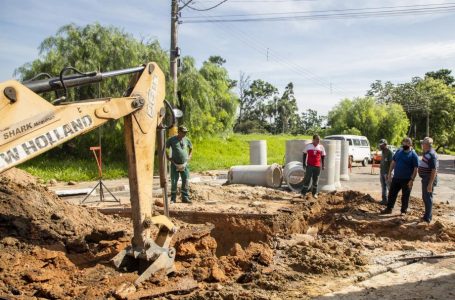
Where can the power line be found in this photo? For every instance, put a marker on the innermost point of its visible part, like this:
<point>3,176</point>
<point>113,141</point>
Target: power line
<point>325,16</point>
<point>295,68</point>
<point>263,1</point>
<point>372,9</point>
<point>204,9</point>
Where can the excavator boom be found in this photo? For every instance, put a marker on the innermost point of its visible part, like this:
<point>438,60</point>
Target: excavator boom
<point>30,126</point>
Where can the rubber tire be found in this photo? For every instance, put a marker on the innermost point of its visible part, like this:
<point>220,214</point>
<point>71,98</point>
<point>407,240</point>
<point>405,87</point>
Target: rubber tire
<point>365,162</point>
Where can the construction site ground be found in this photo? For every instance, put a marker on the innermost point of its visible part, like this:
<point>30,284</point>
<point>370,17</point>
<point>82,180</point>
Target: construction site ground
<point>234,242</point>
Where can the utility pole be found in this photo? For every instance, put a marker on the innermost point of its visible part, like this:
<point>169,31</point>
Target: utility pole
<point>174,49</point>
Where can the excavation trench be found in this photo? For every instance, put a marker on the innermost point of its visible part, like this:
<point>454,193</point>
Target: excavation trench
<point>229,228</point>
<point>342,213</point>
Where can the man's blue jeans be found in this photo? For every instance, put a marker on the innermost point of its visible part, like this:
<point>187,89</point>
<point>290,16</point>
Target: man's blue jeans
<point>384,187</point>
<point>427,199</point>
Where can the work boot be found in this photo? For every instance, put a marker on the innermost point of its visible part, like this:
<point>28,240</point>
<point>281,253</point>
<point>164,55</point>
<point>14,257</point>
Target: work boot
<point>383,203</point>
<point>315,196</point>
<point>188,201</point>
<point>386,211</point>
<point>403,212</point>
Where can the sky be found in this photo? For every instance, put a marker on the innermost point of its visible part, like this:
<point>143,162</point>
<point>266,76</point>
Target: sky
<point>327,60</point>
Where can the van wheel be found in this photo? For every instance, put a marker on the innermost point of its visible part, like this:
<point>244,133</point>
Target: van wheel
<point>365,162</point>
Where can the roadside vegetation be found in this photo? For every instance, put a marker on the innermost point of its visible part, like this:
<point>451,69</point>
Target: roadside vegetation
<point>223,113</point>
<point>213,153</point>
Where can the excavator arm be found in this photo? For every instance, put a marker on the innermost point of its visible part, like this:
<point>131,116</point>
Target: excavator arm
<point>30,126</point>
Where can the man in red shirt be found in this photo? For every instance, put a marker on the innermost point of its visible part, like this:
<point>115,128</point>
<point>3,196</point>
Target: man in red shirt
<point>313,161</point>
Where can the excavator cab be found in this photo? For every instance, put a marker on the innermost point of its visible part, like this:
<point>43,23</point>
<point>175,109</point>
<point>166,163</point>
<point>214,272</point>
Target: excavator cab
<point>31,125</point>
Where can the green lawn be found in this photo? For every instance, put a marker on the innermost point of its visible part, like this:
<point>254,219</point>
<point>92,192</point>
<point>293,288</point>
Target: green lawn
<point>209,154</point>
<point>72,169</point>
<point>217,153</point>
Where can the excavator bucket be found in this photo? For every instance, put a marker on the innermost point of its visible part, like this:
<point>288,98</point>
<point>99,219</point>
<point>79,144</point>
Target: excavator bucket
<point>154,257</point>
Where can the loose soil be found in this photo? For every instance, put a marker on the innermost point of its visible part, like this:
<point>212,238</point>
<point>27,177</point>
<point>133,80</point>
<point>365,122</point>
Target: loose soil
<point>53,250</point>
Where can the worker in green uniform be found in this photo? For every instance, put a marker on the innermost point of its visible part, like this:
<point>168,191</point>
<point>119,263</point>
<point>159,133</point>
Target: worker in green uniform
<point>181,151</point>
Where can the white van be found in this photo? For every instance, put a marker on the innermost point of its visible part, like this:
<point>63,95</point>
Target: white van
<point>359,147</point>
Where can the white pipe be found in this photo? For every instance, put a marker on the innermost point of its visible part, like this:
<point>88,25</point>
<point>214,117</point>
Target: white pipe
<point>294,150</point>
<point>337,164</point>
<point>327,178</point>
<point>258,152</point>
<point>293,175</point>
<point>344,166</point>
<point>269,176</point>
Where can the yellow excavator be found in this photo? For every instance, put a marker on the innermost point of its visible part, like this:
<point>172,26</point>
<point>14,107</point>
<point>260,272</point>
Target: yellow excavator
<point>31,125</point>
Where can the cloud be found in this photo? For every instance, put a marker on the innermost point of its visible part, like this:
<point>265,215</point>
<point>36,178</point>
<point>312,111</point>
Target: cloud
<point>349,54</point>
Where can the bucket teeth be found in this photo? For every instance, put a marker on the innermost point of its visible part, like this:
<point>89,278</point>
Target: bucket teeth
<point>164,262</point>
<point>154,256</point>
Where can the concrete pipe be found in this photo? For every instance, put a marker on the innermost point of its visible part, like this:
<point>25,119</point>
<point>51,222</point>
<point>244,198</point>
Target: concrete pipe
<point>258,152</point>
<point>337,164</point>
<point>268,176</point>
<point>293,175</point>
<point>294,150</point>
<point>327,177</point>
<point>344,165</point>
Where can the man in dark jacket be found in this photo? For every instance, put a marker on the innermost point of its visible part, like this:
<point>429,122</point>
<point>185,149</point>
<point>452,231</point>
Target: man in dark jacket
<point>386,160</point>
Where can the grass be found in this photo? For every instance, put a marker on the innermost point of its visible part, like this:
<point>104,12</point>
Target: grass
<point>72,169</point>
<point>217,153</point>
<point>212,153</point>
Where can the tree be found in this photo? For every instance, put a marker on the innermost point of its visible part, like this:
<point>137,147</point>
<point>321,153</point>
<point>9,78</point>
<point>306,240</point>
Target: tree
<point>382,92</point>
<point>310,122</point>
<point>208,101</point>
<point>287,112</point>
<point>438,104</point>
<point>217,60</point>
<point>254,101</point>
<point>365,116</point>
<point>442,74</point>
<point>93,48</point>
<point>431,98</point>
<point>224,102</point>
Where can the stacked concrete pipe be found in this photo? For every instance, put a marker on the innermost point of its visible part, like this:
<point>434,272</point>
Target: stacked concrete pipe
<point>293,175</point>
<point>258,152</point>
<point>337,164</point>
<point>344,165</point>
<point>327,177</point>
<point>294,150</point>
<point>260,175</point>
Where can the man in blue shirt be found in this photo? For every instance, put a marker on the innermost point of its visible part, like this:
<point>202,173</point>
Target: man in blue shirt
<point>404,165</point>
<point>428,167</point>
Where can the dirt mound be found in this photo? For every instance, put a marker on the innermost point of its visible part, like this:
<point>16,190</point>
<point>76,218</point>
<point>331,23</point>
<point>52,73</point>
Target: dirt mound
<point>51,249</point>
<point>355,213</point>
<point>325,256</point>
<point>30,212</point>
